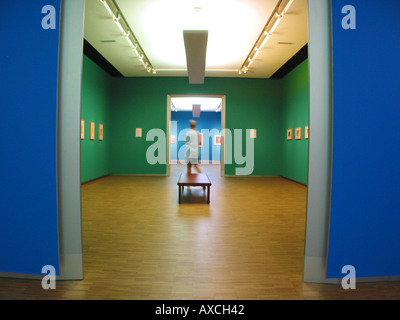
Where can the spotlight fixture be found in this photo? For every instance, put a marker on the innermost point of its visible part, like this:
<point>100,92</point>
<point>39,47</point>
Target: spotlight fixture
<point>280,10</point>
<point>126,31</point>
<point>107,7</point>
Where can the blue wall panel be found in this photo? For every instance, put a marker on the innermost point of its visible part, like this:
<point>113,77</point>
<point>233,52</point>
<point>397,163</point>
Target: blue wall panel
<point>365,207</point>
<point>28,98</point>
<point>206,121</point>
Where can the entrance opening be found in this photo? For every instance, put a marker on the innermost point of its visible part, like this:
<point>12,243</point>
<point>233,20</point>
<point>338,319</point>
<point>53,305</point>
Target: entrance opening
<point>253,223</point>
<point>208,113</point>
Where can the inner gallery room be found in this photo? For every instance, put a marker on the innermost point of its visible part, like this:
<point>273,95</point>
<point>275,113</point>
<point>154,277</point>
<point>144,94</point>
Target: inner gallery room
<point>200,150</point>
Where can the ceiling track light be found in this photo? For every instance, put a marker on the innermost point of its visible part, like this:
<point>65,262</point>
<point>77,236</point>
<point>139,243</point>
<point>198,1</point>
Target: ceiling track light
<point>269,28</point>
<point>275,25</point>
<point>256,53</point>
<point>288,6</point>
<point>117,17</point>
<point>130,42</point>
<point>120,21</point>
<point>104,2</point>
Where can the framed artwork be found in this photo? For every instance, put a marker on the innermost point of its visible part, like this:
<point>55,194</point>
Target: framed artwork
<point>92,130</point>
<point>82,129</point>
<point>101,132</point>
<point>289,134</point>
<point>306,132</point>
<point>173,139</point>
<point>217,140</point>
<point>253,133</point>
<point>298,133</point>
<point>201,140</point>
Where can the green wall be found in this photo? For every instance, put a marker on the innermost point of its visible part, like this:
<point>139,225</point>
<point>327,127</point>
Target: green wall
<point>295,111</point>
<point>142,103</point>
<point>96,103</point>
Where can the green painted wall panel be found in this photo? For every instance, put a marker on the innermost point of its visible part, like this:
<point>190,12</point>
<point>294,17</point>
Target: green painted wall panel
<point>295,113</point>
<point>142,103</point>
<point>96,102</point>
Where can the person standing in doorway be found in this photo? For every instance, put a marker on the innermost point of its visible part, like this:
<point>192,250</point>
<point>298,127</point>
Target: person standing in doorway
<point>192,148</point>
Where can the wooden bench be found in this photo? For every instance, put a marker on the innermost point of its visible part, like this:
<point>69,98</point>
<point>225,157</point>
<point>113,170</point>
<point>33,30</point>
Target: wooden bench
<point>194,180</point>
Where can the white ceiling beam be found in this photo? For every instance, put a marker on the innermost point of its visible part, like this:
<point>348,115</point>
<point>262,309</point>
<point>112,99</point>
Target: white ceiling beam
<point>196,52</point>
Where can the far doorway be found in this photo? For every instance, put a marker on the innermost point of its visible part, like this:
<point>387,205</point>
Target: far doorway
<point>209,113</point>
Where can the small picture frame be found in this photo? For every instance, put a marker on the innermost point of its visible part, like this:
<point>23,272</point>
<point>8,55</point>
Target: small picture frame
<point>298,133</point>
<point>173,139</point>
<point>289,134</point>
<point>253,133</point>
<point>82,129</point>
<point>92,131</point>
<point>201,140</point>
<point>307,132</point>
<point>101,132</point>
<point>139,132</point>
<point>217,140</point>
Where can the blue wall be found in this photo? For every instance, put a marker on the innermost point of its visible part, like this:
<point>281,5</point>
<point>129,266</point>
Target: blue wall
<point>28,187</point>
<point>207,120</point>
<point>365,209</point>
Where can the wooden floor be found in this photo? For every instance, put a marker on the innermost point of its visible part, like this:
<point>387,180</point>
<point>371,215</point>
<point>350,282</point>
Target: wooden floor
<point>139,243</point>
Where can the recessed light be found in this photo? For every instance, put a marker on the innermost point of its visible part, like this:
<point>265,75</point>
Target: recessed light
<point>197,9</point>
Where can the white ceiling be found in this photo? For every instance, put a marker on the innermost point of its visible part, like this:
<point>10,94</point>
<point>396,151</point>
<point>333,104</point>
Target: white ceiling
<point>233,27</point>
<point>186,104</point>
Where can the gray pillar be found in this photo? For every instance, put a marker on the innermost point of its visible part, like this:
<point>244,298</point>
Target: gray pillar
<point>69,141</point>
<point>320,144</point>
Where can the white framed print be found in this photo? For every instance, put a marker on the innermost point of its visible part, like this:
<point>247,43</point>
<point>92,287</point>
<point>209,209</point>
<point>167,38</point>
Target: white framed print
<point>289,134</point>
<point>92,131</point>
<point>82,129</point>
<point>217,140</point>
<point>201,140</point>
<point>298,133</point>
<point>101,132</point>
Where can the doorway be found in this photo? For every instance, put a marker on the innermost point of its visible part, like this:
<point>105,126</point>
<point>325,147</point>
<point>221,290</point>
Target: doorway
<point>209,111</point>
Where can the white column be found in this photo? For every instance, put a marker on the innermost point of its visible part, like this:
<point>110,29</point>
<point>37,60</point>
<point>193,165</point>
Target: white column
<point>320,144</point>
<point>68,141</point>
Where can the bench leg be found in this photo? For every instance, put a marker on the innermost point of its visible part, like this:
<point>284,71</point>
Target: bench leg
<point>180,194</point>
<point>208,195</point>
